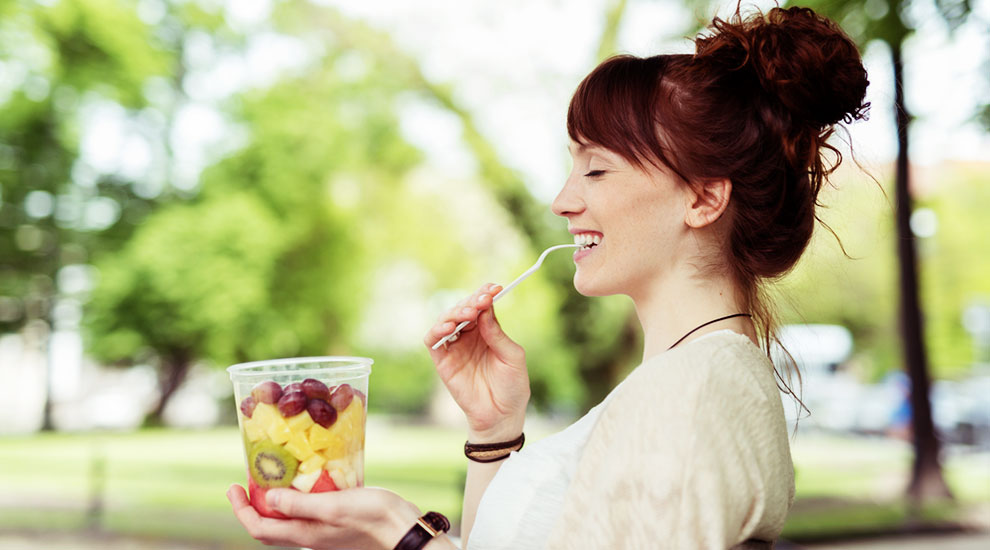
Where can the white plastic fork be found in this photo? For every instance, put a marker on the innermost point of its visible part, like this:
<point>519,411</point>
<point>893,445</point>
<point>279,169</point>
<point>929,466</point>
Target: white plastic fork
<point>506,290</point>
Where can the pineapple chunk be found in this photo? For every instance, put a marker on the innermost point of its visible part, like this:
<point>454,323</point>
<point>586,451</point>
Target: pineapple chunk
<point>300,422</point>
<point>319,437</point>
<point>278,430</point>
<point>337,448</point>
<point>347,433</point>
<point>299,447</point>
<point>253,429</point>
<point>311,464</point>
<point>263,414</point>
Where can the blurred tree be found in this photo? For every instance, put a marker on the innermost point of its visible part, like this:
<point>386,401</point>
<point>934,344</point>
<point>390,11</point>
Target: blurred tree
<point>264,262</point>
<point>54,208</point>
<point>606,335</point>
<point>889,22</point>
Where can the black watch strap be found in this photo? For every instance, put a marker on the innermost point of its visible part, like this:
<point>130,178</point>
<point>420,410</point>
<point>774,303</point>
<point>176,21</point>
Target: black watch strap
<point>428,526</point>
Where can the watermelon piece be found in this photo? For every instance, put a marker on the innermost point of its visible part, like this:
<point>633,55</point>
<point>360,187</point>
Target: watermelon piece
<point>257,494</point>
<point>323,484</point>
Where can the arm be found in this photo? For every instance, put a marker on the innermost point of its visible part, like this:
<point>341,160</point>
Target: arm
<point>485,372</point>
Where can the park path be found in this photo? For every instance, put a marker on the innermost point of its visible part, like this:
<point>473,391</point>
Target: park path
<point>959,541</point>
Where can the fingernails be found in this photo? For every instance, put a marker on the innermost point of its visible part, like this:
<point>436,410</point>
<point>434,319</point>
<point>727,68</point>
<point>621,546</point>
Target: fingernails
<point>482,299</point>
<point>467,311</point>
<point>273,498</point>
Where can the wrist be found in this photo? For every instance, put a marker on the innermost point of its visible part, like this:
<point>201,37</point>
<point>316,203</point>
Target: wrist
<point>396,524</point>
<point>503,431</point>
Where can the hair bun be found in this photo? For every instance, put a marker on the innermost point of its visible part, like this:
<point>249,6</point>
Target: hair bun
<point>803,60</point>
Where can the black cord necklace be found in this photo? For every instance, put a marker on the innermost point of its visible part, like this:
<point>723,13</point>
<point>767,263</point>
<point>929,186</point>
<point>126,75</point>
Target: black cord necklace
<point>703,325</point>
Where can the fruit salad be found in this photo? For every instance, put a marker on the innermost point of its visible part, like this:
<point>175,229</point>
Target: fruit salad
<point>306,436</point>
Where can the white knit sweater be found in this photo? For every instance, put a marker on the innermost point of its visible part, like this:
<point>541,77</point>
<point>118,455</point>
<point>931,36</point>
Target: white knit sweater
<point>690,451</point>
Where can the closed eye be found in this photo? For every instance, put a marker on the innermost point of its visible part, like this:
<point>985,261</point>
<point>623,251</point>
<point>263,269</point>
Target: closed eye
<point>595,174</point>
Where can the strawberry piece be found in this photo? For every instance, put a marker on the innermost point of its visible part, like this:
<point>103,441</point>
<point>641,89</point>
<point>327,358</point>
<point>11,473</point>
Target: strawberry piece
<point>257,494</point>
<point>324,484</point>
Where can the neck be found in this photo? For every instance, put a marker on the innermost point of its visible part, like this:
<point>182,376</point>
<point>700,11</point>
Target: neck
<point>672,308</point>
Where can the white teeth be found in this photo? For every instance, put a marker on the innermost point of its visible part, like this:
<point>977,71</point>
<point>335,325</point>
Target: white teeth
<point>587,239</point>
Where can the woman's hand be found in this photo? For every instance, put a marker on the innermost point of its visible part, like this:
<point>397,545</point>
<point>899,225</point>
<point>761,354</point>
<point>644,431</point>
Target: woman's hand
<point>484,370</point>
<point>352,519</point>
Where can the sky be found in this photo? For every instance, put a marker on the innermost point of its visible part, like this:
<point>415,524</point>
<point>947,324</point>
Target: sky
<point>514,65</point>
<point>516,62</point>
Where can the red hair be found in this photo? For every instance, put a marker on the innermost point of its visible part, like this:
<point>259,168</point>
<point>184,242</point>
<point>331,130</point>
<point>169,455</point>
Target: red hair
<point>756,103</point>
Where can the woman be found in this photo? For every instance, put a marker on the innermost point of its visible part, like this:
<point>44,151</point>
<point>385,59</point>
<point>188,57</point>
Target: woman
<point>695,179</point>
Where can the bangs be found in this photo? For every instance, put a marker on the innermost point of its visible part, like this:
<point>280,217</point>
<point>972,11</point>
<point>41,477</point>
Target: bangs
<point>615,107</point>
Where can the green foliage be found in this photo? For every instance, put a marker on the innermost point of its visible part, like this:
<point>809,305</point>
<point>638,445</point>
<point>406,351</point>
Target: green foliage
<point>264,264</point>
<point>194,278</point>
<point>955,264</point>
<point>859,291</point>
<point>400,383</point>
<point>72,50</point>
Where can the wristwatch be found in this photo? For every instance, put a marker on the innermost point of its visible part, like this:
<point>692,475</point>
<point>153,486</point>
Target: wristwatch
<point>426,527</point>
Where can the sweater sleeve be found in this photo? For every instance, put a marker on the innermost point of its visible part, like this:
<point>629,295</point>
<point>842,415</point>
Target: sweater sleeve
<point>686,455</point>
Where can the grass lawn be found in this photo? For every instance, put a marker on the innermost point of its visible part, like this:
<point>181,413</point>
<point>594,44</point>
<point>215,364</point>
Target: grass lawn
<point>167,483</point>
<point>171,484</point>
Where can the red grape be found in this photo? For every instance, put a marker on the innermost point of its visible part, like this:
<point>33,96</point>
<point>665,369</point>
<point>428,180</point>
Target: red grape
<point>295,386</point>
<point>292,403</point>
<point>321,412</point>
<point>314,389</point>
<point>247,406</point>
<point>364,398</point>
<point>342,397</point>
<point>267,392</point>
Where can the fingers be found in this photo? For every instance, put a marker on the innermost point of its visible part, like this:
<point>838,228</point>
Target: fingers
<point>465,310</point>
<point>242,506</point>
<point>258,527</point>
<point>318,506</point>
<point>507,350</point>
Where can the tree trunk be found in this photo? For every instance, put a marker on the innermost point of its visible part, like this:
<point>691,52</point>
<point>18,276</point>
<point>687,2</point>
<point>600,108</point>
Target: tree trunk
<point>172,373</point>
<point>926,475</point>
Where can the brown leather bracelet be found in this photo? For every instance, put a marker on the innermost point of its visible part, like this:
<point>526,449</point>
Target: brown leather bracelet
<point>493,452</point>
<point>423,531</point>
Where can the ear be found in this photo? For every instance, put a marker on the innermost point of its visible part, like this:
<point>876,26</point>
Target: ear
<point>706,201</point>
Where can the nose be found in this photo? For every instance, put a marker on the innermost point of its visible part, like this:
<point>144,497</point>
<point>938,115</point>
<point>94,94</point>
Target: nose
<point>568,202</point>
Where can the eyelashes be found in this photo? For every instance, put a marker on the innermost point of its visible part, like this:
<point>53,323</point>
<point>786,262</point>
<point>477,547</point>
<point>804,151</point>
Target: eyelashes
<point>595,174</point>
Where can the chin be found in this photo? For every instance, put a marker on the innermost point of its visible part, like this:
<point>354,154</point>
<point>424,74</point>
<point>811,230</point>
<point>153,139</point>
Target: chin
<point>586,287</point>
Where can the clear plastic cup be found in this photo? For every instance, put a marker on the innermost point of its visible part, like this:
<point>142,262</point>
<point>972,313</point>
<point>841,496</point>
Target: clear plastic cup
<point>302,421</point>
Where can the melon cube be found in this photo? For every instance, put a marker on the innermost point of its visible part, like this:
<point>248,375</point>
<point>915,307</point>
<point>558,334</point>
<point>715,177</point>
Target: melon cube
<point>339,479</point>
<point>305,482</point>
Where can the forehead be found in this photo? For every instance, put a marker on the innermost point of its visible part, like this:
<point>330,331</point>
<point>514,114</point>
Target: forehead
<point>577,148</point>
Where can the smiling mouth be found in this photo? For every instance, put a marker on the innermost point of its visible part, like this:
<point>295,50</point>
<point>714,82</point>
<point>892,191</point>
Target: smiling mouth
<point>587,240</point>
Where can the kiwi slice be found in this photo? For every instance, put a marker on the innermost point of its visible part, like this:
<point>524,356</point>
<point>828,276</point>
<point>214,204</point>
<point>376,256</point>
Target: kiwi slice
<point>271,465</point>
